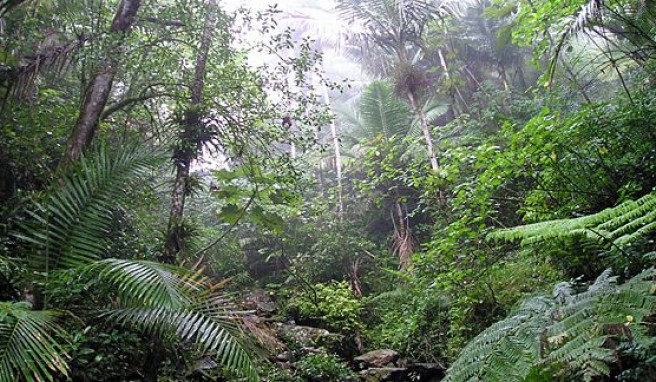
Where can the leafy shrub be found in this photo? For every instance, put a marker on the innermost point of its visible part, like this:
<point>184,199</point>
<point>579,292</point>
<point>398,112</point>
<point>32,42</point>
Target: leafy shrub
<point>322,368</point>
<point>332,306</point>
<point>413,322</point>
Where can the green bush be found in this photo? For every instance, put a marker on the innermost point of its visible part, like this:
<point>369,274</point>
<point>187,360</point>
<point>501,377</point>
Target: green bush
<point>322,368</point>
<point>332,306</point>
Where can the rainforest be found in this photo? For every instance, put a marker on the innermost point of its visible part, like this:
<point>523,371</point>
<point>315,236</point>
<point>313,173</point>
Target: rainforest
<point>327,190</point>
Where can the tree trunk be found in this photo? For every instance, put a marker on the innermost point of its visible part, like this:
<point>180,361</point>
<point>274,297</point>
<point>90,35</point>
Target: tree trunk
<point>97,91</point>
<point>426,129</point>
<point>183,157</point>
<point>403,241</point>
<point>153,361</point>
<point>189,145</point>
<point>455,108</point>
<point>338,155</point>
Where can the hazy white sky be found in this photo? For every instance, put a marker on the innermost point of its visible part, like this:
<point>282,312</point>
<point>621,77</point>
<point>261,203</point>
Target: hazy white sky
<point>284,5</point>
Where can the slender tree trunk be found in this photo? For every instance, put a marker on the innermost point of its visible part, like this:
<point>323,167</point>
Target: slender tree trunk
<point>189,147</point>
<point>403,60</point>
<point>426,129</point>
<point>97,91</point>
<point>456,91</point>
<point>153,361</point>
<point>183,157</point>
<point>338,155</point>
<point>319,171</point>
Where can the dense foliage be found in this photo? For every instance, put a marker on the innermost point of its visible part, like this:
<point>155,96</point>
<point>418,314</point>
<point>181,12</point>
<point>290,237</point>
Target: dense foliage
<point>194,192</point>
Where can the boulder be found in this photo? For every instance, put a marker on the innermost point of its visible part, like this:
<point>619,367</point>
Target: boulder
<point>259,301</point>
<point>377,358</point>
<point>307,336</point>
<point>426,372</point>
<point>384,374</point>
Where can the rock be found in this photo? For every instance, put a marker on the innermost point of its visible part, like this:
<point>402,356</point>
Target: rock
<point>308,350</point>
<point>378,358</point>
<point>426,372</point>
<point>283,357</point>
<point>259,301</point>
<point>265,333</point>
<point>384,374</point>
<point>307,336</point>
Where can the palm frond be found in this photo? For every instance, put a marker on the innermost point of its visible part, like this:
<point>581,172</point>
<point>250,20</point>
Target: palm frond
<point>27,349</point>
<point>382,113</point>
<point>391,24</point>
<point>207,332</point>
<point>162,299</point>
<point>588,12</point>
<point>433,109</point>
<point>147,283</point>
<point>67,229</point>
<point>54,60</point>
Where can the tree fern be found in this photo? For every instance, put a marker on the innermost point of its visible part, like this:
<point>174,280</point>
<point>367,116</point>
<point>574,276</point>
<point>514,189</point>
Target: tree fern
<point>616,226</point>
<point>565,333</point>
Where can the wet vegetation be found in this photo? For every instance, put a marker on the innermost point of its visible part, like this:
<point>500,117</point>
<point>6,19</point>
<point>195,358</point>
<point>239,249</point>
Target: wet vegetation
<point>374,190</point>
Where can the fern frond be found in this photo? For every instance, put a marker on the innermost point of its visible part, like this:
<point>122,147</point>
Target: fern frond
<point>617,226</point>
<point>567,332</point>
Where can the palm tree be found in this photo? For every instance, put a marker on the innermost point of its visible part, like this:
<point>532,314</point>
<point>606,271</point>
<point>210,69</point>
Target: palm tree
<point>382,115</point>
<point>66,232</point>
<point>396,27</point>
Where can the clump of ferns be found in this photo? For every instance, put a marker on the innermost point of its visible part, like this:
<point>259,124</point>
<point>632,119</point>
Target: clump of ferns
<point>569,334</point>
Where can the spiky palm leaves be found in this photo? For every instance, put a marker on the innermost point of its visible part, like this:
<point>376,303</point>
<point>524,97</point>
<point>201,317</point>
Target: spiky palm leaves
<point>68,226</point>
<point>567,334</point>
<point>162,299</point>
<point>382,113</point>
<point>67,232</point>
<point>27,349</point>
<point>392,24</point>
